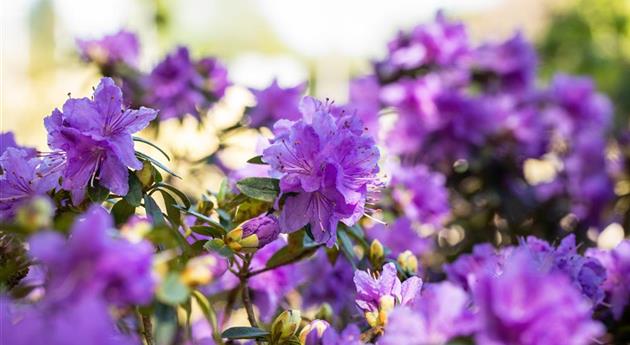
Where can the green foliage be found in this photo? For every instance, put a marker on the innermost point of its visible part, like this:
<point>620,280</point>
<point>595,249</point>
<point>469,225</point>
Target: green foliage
<point>260,188</point>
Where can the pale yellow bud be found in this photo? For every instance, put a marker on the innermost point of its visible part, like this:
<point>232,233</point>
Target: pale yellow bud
<point>408,261</point>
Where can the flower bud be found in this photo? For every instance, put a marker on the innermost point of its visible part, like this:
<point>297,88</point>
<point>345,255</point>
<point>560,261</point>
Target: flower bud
<point>36,214</point>
<point>408,261</point>
<point>325,312</point>
<point>145,175</point>
<point>285,325</point>
<point>266,228</point>
<point>233,239</point>
<point>205,207</point>
<point>312,333</point>
<point>377,253</point>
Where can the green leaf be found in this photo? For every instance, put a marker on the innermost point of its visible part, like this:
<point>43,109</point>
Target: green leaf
<point>172,211</point>
<point>218,246</point>
<point>172,291</point>
<point>152,145</point>
<point>244,333</point>
<point>122,210</point>
<point>288,255</point>
<point>260,188</point>
<point>346,247</point>
<point>180,194</point>
<point>156,163</point>
<point>208,230</point>
<point>153,210</point>
<point>98,193</point>
<point>202,217</point>
<point>256,160</point>
<point>134,196</point>
<point>208,312</point>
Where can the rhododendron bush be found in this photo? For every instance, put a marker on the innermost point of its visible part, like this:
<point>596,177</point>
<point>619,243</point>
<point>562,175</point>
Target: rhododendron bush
<point>341,230</point>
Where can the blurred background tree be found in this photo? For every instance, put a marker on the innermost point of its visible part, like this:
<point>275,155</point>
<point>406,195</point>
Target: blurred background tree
<point>592,37</point>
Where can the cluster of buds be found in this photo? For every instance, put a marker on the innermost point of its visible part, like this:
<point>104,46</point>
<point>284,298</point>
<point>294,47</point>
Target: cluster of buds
<point>408,262</point>
<point>253,234</point>
<point>285,326</point>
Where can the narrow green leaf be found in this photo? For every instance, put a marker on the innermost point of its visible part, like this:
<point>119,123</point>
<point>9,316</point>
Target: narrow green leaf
<point>172,211</point>
<point>346,247</point>
<point>287,255</point>
<point>156,163</point>
<point>208,230</point>
<point>244,333</point>
<point>152,145</point>
<point>260,188</point>
<point>122,210</point>
<point>153,210</point>
<point>202,217</point>
<point>218,246</point>
<point>256,160</point>
<point>166,324</point>
<point>134,196</point>
<point>180,194</point>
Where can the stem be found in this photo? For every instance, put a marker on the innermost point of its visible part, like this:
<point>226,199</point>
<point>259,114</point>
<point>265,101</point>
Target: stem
<point>147,329</point>
<point>247,302</point>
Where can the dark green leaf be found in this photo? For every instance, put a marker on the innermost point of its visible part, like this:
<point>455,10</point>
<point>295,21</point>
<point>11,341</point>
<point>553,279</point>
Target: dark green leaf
<point>153,210</point>
<point>202,217</point>
<point>288,255</point>
<point>172,291</point>
<point>208,230</point>
<point>244,333</point>
<point>98,193</point>
<point>177,192</point>
<point>134,196</point>
<point>152,145</point>
<point>122,210</point>
<point>346,247</point>
<point>172,211</point>
<point>256,160</point>
<point>218,246</point>
<point>156,163</point>
<point>260,188</point>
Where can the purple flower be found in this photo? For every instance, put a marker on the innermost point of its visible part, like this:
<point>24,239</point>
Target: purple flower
<point>365,101</point>
<point>23,177</point>
<point>275,103</point>
<point>466,270</point>
<point>95,135</point>
<point>617,284</point>
<point>121,47</point>
<point>327,282</point>
<point>92,262</point>
<point>180,86</point>
<point>421,194</point>
<point>319,332</point>
<point>265,227</point>
<point>330,165</point>
<point>439,314</point>
<point>7,139</point>
<point>86,321</point>
<point>506,67</point>
<point>377,295</point>
<point>401,236</point>
<point>525,305</point>
<point>440,43</point>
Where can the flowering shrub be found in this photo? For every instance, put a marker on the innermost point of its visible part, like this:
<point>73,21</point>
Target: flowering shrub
<point>457,243</point>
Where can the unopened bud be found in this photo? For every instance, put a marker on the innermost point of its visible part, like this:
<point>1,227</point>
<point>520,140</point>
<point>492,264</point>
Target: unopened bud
<point>233,239</point>
<point>266,228</point>
<point>377,253</point>
<point>408,261</point>
<point>36,214</point>
<point>325,312</point>
<point>285,325</point>
<point>145,175</point>
<point>313,332</point>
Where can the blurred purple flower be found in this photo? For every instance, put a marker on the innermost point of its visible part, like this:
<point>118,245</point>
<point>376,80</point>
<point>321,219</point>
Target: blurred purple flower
<point>365,101</point>
<point>401,236</point>
<point>276,103</point>
<point>121,47</point>
<point>466,270</point>
<point>180,86</point>
<point>326,282</point>
<point>441,312</point>
<point>95,135</point>
<point>7,139</point>
<point>23,177</point>
<point>617,284</point>
<point>319,332</point>
<point>92,262</point>
<point>421,194</point>
<point>329,163</point>
<point>525,305</point>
